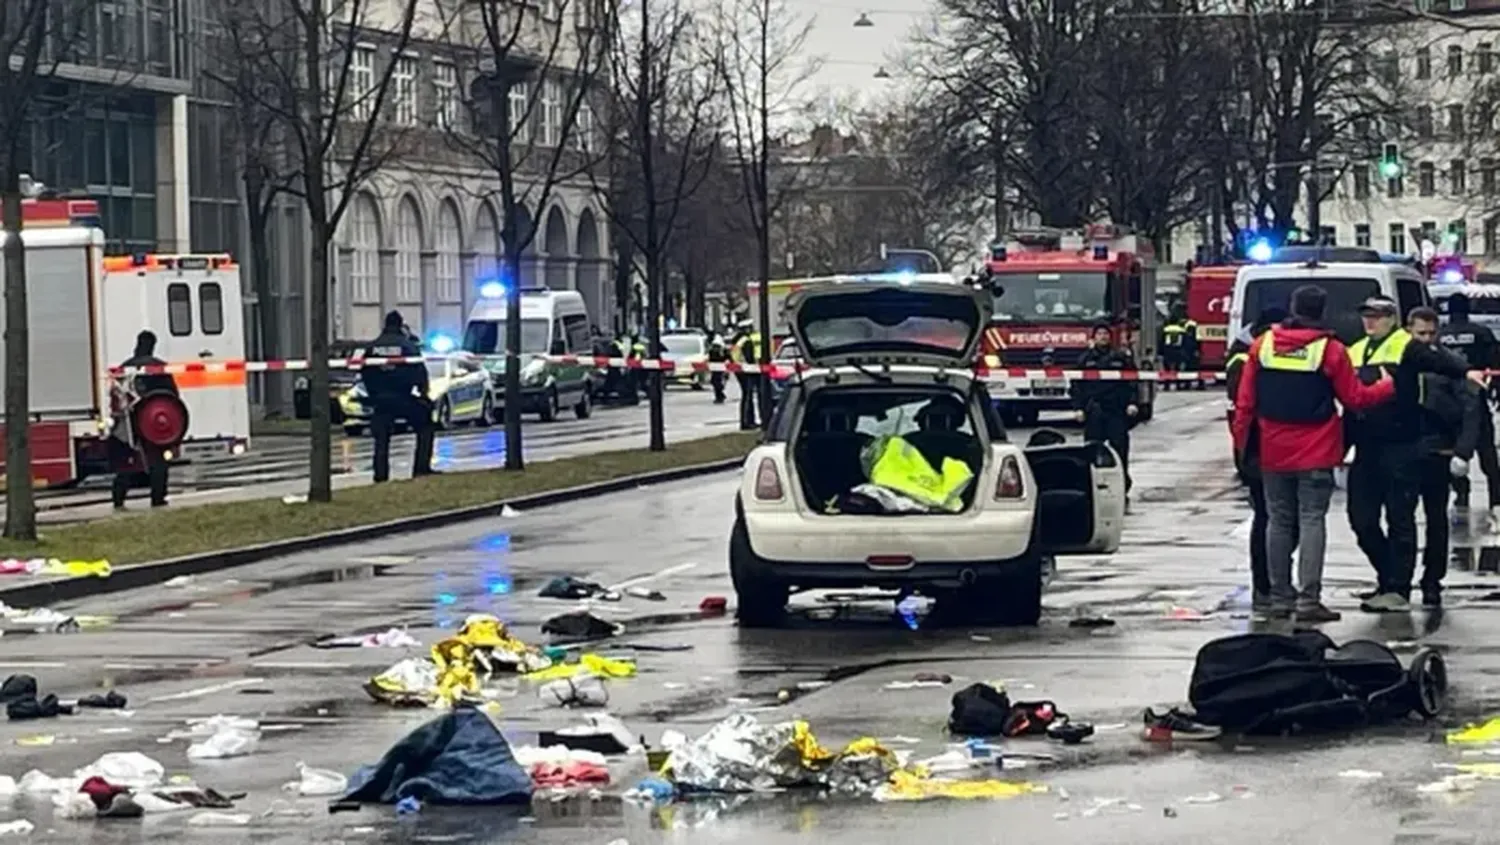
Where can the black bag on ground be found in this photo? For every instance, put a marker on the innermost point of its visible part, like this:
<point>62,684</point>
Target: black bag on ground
<point>1276,684</point>
<point>979,710</point>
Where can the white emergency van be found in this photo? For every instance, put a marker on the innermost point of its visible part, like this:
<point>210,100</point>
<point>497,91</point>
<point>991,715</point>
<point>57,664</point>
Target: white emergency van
<point>86,311</point>
<point>192,303</point>
<point>1349,276</point>
<point>552,323</point>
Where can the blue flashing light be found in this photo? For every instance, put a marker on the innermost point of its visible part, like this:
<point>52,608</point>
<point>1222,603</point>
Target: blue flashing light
<point>672,324</point>
<point>1452,276</point>
<point>1260,251</point>
<point>492,290</point>
<point>906,277</point>
<point>441,344</point>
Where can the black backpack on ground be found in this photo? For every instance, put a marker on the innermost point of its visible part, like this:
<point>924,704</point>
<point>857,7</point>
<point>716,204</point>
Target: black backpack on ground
<point>1278,684</point>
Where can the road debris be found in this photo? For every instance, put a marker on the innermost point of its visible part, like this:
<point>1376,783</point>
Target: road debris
<point>317,782</point>
<point>569,587</point>
<point>581,625</point>
<point>1361,774</point>
<point>458,668</point>
<point>461,757</point>
<point>389,638</point>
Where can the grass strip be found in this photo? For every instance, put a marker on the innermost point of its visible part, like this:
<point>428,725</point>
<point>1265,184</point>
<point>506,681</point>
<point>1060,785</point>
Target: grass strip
<point>173,532</point>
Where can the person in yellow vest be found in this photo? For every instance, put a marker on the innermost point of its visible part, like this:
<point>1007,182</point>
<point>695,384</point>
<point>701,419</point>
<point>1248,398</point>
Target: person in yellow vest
<point>746,350</point>
<point>1386,474</point>
<point>1179,347</point>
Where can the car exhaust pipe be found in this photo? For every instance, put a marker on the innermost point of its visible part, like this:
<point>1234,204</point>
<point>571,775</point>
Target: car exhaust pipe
<point>968,577</point>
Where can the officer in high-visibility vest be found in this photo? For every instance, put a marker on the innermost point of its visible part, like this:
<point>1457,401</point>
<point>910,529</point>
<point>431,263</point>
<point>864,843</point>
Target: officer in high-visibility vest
<point>1179,344</point>
<point>1386,474</point>
<point>1248,465</point>
<point>623,382</point>
<point>746,350</point>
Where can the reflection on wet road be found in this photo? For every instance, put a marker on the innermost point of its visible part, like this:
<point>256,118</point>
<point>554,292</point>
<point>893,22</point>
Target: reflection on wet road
<point>242,642</point>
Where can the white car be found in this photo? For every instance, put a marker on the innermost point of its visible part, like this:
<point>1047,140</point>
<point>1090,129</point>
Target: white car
<point>880,354</point>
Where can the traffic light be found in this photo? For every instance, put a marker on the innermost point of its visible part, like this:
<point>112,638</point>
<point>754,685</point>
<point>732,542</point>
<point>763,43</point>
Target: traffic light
<point>1390,163</point>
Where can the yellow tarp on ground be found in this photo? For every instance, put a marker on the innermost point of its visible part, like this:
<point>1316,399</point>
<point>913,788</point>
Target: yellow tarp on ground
<point>1476,734</point>
<point>594,664</point>
<point>906,785</point>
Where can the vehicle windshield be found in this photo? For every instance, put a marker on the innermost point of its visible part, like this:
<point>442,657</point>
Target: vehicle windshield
<point>1341,313</point>
<point>1052,297</point>
<point>682,345</point>
<point>437,369</point>
<point>486,337</point>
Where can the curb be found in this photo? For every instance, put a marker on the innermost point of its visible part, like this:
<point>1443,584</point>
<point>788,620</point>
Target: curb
<point>157,572</point>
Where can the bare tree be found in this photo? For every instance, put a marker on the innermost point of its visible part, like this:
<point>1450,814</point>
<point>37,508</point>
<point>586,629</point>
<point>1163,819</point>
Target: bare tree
<point>530,114</point>
<point>666,125</point>
<point>36,37</point>
<point>328,96</point>
<point>714,247</point>
<point>764,72</point>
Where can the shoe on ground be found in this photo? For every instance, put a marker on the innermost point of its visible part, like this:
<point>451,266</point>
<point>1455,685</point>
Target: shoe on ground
<point>1386,603</point>
<point>1317,613</point>
<point>1261,604</point>
<point>1176,726</point>
<point>1366,595</point>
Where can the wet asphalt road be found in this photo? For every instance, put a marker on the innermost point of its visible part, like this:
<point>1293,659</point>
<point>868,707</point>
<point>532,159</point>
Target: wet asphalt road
<point>236,643</point>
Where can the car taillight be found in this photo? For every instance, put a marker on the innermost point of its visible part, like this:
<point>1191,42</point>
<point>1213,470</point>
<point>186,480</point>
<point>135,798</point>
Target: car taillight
<point>768,481</point>
<point>1009,484</point>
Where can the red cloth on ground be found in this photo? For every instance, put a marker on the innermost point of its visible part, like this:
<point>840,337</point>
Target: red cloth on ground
<point>101,791</point>
<point>568,774</point>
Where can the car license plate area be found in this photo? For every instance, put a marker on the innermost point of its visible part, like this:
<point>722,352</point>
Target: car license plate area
<point>1049,387</point>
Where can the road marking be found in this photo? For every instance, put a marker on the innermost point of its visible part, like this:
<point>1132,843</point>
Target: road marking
<point>202,691</point>
<point>644,579</point>
<point>25,665</point>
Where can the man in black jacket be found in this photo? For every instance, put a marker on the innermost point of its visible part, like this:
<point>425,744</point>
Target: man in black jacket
<point>398,391</point>
<point>1451,411</point>
<point>1249,471</point>
<point>1106,408</point>
<point>151,457</point>
<point>1386,474</point>
<point>1477,344</point>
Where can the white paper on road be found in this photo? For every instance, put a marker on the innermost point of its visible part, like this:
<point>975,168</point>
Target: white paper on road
<point>229,742</point>
<point>317,782</point>
<point>19,827</point>
<point>130,769</point>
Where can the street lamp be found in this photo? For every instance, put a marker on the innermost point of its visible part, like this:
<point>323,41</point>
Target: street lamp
<point>864,20</point>
<point>881,73</point>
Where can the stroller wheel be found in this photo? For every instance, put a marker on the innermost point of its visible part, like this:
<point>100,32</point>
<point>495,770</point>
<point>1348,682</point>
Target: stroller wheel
<point>1429,678</point>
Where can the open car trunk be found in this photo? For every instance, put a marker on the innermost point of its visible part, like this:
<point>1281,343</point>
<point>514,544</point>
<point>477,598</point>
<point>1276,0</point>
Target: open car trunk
<point>839,424</point>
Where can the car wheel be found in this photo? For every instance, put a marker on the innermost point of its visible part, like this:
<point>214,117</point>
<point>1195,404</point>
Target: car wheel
<point>549,406</point>
<point>761,599</point>
<point>487,411</point>
<point>1428,677</point>
<point>354,430</point>
<point>444,417</point>
<point>585,405</point>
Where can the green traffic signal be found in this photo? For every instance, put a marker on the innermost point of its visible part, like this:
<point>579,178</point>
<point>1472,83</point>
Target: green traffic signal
<point>1390,169</point>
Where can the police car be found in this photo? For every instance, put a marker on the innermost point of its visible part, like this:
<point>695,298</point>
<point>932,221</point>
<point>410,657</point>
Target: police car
<point>1484,301</point>
<point>885,359</point>
<point>460,389</point>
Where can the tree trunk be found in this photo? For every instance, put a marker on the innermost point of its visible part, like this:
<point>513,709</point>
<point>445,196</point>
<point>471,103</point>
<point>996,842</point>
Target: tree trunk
<point>20,502</point>
<point>697,309</point>
<point>513,457</point>
<point>653,245</point>
<point>260,272</point>
<point>320,470</point>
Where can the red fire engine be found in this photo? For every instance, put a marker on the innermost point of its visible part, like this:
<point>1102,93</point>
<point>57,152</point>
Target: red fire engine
<point>1209,289</point>
<point>1451,270</point>
<point>1051,288</point>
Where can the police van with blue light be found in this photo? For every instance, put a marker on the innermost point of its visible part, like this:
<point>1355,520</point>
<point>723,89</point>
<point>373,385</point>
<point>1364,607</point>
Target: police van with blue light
<point>553,324</point>
<point>1349,275</point>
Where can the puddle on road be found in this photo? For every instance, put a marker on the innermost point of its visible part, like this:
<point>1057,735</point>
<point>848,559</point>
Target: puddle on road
<point>255,589</point>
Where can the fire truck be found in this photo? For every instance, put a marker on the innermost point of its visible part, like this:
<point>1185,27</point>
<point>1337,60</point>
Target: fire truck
<point>86,310</point>
<point>1210,290</point>
<point>1051,287</point>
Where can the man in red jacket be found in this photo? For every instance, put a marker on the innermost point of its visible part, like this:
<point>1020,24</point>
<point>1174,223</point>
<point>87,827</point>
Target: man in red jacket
<point>1292,377</point>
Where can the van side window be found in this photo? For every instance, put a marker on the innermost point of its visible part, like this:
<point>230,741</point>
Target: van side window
<point>1409,294</point>
<point>576,326</point>
<point>179,309</point>
<point>211,308</point>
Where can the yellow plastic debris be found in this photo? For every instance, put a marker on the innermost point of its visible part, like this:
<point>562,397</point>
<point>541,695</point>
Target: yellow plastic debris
<point>908,786</point>
<point>1476,734</point>
<point>456,674</point>
<point>593,664</point>
<point>78,568</point>
<point>1483,771</point>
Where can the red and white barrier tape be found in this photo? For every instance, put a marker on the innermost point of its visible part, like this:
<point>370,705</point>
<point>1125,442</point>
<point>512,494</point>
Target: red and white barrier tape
<point>775,370</point>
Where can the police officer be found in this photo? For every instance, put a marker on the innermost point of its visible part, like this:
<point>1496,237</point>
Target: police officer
<point>639,374</point>
<point>745,351</point>
<point>154,460</point>
<point>1248,466</point>
<point>622,385</point>
<point>1477,344</point>
<point>1386,474</point>
<point>1106,408</point>
<point>398,391</point>
<point>718,353</point>
<point>1179,342</point>
<point>1451,411</point>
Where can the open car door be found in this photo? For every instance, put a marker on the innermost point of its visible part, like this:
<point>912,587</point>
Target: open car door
<point>1080,499</point>
<point>925,323</point>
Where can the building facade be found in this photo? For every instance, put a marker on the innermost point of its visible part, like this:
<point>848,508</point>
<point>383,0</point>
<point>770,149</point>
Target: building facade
<point>134,124</point>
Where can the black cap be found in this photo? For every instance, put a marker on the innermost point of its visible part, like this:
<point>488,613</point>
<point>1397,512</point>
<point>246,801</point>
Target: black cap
<point>394,320</point>
<point>1379,306</point>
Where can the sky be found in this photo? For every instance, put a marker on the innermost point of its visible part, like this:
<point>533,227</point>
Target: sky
<point>851,55</point>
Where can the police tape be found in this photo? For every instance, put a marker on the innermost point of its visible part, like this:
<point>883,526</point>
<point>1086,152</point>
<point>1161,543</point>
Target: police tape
<point>672,367</point>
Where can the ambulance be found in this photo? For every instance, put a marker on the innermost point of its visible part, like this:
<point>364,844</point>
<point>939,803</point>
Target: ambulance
<point>86,310</point>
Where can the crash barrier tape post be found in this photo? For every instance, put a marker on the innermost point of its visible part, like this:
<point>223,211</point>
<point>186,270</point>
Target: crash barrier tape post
<point>776,371</point>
